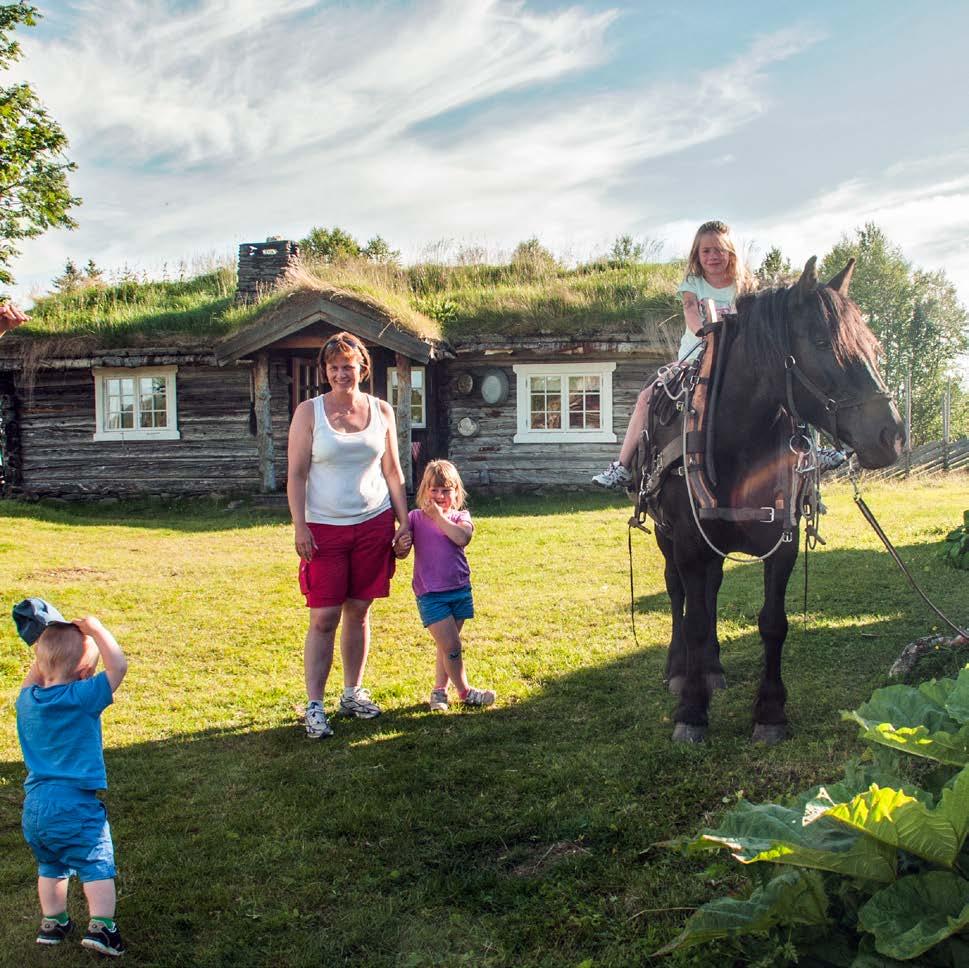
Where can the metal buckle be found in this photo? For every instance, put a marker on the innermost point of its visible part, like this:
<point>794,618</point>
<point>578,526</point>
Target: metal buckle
<point>787,537</point>
<point>773,515</point>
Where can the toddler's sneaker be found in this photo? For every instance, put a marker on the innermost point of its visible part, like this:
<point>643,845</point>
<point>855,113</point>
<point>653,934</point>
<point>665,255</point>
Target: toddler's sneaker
<point>359,704</point>
<point>479,697</point>
<point>317,725</point>
<point>103,940</point>
<point>438,703</point>
<point>830,459</point>
<point>52,931</point>
<point>615,475</point>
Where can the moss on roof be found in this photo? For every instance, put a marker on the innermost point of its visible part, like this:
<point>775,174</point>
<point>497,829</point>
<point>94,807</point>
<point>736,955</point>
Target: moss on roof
<point>428,300</point>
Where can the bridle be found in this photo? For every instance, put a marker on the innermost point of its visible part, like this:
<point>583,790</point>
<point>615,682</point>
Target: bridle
<point>831,405</point>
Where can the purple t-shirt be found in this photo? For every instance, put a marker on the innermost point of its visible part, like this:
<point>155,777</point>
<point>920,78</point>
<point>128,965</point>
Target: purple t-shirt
<point>439,564</point>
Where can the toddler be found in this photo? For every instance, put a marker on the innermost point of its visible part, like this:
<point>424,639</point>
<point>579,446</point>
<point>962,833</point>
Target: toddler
<point>59,726</point>
<point>441,529</point>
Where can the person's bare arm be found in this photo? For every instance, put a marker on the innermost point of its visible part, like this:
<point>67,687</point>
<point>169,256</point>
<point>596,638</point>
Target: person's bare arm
<point>691,312</point>
<point>298,469</point>
<point>115,663</point>
<point>32,678</point>
<point>394,476</point>
<point>460,532</point>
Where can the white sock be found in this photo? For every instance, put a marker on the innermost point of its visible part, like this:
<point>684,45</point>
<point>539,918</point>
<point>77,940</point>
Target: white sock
<point>350,691</point>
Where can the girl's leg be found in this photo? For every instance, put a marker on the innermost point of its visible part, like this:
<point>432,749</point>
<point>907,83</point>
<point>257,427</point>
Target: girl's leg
<point>52,892</point>
<point>355,639</point>
<point>637,423</point>
<point>318,649</point>
<point>440,670</point>
<point>101,898</point>
<point>447,637</point>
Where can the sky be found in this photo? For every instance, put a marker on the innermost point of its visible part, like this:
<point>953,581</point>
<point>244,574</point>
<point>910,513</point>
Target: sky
<point>197,125</point>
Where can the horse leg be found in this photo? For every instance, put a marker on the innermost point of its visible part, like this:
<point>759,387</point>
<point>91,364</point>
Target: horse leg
<point>770,720</point>
<point>691,712</point>
<point>675,673</point>
<point>713,670</point>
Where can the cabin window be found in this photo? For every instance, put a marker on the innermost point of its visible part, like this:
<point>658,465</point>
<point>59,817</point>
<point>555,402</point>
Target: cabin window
<point>418,409</point>
<point>564,403</point>
<point>135,404</point>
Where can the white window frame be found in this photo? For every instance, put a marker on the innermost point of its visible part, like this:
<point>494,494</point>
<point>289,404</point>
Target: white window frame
<point>170,432</point>
<point>528,435</point>
<point>391,373</point>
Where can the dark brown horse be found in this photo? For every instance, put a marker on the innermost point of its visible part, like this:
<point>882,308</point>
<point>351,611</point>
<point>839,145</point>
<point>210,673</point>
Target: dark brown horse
<point>800,352</point>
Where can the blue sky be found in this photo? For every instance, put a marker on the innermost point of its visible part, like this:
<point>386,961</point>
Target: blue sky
<point>200,124</point>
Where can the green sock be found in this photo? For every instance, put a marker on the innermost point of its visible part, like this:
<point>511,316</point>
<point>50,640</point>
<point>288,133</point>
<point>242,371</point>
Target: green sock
<point>61,918</point>
<point>107,922</point>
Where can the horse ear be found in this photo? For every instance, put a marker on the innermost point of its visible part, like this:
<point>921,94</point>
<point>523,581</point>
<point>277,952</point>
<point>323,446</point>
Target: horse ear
<point>809,278</point>
<point>842,280</point>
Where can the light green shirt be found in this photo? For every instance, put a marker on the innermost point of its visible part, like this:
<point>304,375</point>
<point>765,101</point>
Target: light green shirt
<point>724,299</point>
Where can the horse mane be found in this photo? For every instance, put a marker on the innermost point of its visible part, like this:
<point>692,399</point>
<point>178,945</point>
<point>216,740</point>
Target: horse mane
<point>761,316</point>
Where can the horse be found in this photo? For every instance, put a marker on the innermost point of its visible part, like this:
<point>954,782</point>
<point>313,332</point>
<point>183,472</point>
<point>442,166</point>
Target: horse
<point>800,354</point>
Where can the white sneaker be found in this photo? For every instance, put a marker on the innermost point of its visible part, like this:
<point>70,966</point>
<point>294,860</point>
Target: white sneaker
<point>479,697</point>
<point>317,725</point>
<point>359,704</point>
<point>438,703</point>
<point>615,475</point>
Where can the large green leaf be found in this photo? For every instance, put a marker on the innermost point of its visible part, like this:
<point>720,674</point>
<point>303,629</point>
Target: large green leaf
<point>901,821</point>
<point>916,913</point>
<point>794,897</point>
<point>958,703</point>
<point>917,720</point>
<point>769,832</point>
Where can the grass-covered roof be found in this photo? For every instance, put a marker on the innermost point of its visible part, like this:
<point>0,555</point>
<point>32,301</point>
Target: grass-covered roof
<point>428,300</point>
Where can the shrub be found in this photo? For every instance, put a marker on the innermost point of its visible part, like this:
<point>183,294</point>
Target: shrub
<point>872,870</point>
<point>955,548</point>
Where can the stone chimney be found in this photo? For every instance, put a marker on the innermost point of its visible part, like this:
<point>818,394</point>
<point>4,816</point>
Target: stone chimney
<point>262,265</point>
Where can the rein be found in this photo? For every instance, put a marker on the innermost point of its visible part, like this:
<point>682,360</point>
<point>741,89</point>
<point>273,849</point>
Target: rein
<point>890,548</point>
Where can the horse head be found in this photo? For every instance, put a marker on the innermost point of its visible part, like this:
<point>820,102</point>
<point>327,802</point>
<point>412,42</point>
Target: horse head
<point>833,378</point>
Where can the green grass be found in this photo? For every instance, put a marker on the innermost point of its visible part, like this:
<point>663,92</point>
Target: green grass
<point>428,298</point>
<point>522,835</point>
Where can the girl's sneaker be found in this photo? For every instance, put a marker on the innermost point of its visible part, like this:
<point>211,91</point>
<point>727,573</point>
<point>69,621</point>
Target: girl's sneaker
<point>615,475</point>
<point>438,703</point>
<point>52,931</point>
<point>479,697</point>
<point>103,940</point>
<point>317,725</point>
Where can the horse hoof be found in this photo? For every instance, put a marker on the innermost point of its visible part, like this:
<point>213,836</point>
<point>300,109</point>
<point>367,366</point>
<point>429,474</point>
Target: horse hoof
<point>770,734</point>
<point>687,733</point>
<point>716,680</point>
<point>675,684</point>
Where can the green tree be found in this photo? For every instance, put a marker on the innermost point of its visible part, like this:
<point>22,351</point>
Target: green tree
<point>626,251</point>
<point>915,314</point>
<point>378,250</point>
<point>532,260</point>
<point>776,268</point>
<point>330,245</point>
<point>70,279</point>
<point>34,194</point>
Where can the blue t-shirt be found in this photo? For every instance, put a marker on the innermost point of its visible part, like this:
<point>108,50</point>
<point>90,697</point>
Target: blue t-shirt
<point>59,728</point>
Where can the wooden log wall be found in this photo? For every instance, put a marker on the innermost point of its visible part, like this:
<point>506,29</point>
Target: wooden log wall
<point>217,451</point>
<point>490,460</point>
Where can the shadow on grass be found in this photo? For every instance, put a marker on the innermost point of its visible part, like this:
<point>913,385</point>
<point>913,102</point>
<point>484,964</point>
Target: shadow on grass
<point>522,835</point>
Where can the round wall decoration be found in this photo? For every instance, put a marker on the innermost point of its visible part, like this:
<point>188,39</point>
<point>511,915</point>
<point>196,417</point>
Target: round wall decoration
<point>494,387</point>
<point>467,426</point>
<point>464,383</point>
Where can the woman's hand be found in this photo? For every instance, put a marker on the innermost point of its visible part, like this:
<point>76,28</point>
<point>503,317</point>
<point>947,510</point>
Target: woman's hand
<point>305,545</point>
<point>403,542</point>
<point>10,317</point>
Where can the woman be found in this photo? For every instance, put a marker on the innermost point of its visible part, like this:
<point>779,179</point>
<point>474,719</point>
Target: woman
<point>345,488</point>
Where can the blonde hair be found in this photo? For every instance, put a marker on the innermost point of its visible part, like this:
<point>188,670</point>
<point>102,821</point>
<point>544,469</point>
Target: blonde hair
<point>441,473</point>
<point>60,650</point>
<point>348,345</point>
<point>738,273</point>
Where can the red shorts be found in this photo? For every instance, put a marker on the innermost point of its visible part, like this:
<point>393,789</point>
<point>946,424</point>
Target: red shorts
<point>350,561</point>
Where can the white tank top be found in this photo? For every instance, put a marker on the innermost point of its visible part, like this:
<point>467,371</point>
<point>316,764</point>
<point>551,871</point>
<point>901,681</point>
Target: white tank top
<point>346,484</point>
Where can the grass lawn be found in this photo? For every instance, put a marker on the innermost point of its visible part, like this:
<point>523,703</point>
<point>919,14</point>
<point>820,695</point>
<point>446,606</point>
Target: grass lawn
<point>521,835</point>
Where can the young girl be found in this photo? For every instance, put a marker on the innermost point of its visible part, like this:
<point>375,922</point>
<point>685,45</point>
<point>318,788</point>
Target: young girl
<point>441,529</point>
<point>715,272</point>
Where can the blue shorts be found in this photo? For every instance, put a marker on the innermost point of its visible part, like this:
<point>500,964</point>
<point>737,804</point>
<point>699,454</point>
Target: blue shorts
<point>68,831</point>
<point>456,603</point>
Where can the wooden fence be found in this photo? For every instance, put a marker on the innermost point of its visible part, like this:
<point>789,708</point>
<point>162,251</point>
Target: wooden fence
<point>927,459</point>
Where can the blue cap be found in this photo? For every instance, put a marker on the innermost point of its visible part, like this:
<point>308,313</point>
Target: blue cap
<point>32,616</point>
